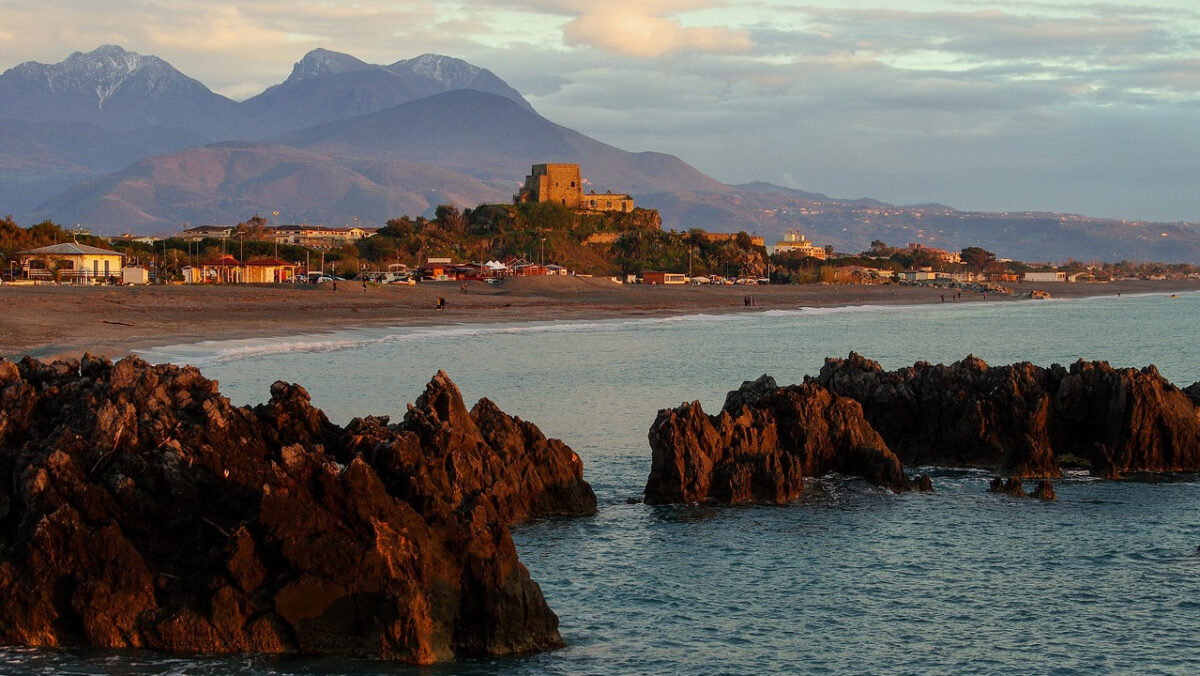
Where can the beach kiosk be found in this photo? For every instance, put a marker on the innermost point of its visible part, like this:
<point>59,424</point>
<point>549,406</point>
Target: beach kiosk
<point>72,263</point>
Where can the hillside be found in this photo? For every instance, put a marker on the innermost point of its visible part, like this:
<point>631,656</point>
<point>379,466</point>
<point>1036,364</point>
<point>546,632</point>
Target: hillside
<point>851,225</point>
<point>493,139</point>
<point>227,182</point>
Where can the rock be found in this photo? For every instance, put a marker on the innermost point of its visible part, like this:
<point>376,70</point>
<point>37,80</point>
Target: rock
<point>1020,418</point>
<point>1039,294</point>
<point>922,483</point>
<point>762,445</point>
<point>139,508</point>
<point>1011,487</point>
<point>1044,491</point>
<point>1193,392</point>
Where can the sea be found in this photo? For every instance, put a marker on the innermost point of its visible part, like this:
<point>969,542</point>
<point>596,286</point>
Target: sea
<point>851,579</point>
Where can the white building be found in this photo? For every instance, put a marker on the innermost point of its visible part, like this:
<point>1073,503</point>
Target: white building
<point>1045,277</point>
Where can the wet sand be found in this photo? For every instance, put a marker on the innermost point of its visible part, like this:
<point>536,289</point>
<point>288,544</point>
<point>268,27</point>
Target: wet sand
<point>66,321</point>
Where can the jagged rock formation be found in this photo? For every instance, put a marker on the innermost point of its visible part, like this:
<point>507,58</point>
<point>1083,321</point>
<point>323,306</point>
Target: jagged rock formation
<point>762,445</point>
<point>1013,486</point>
<point>1025,419</point>
<point>139,508</point>
<point>1193,392</point>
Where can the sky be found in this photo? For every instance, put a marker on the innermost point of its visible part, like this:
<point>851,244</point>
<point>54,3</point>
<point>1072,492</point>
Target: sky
<point>1077,107</point>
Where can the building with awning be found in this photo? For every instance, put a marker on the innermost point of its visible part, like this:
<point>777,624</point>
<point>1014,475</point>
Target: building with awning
<point>225,269</point>
<point>71,262</point>
<point>268,271</point>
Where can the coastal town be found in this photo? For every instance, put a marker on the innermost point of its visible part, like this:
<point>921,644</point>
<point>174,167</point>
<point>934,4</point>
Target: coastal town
<point>552,228</point>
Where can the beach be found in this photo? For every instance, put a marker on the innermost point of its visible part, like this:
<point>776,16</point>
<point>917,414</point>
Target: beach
<point>49,321</point>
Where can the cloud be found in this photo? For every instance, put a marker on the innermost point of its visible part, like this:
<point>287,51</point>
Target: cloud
<point>639,35</point>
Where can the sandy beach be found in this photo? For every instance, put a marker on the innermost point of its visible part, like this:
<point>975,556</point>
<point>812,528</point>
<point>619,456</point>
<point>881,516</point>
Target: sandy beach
<point>64,321</point>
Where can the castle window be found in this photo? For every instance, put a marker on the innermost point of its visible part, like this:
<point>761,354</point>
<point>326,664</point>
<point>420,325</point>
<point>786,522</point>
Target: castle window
<point>572,184</point>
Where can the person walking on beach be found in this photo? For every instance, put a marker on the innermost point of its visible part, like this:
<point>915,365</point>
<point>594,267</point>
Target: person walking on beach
<point>364,284</point>
<point>441,303</point>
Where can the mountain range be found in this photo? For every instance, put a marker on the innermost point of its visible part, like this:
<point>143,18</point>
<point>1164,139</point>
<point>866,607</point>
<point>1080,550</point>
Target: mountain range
<point>121,142</point>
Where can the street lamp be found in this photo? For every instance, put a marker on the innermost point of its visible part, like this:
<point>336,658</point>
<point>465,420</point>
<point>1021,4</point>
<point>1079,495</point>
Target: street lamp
<point>542,253</point>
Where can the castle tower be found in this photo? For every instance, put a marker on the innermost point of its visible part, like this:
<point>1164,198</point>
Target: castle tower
<point>560,183</point>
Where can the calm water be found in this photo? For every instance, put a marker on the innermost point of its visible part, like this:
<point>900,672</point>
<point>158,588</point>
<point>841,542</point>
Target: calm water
<point>852,580</point>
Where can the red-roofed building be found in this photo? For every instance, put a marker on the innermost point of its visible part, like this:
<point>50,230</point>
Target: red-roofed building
<point>226,269</point>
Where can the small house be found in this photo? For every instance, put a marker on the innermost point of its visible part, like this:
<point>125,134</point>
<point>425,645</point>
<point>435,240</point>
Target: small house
<point>268,271</point>
<point>71,262</point>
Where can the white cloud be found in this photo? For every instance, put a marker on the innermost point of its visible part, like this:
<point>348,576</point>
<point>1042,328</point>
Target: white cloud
<point>636,34</point>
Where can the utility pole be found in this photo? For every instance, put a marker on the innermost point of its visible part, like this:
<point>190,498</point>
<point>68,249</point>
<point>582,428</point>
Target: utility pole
<point>275,233</point>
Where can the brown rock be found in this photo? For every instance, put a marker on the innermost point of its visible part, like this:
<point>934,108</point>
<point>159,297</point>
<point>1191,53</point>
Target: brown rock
<point>762,445</point>
<point>139,508</point>
<point>1011,487</point>
<point>1044,491</point>
<point>1021,418</point>
<point>1193,392</point>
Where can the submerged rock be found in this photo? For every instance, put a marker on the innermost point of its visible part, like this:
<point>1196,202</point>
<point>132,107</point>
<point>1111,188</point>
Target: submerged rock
<point>1021,418</point>
<point>922,483</point>
<point>1014,487</point>
<point>1011,487</point>
<point>762,445</point>
<point>1044,491</point>
<point>139,508</point>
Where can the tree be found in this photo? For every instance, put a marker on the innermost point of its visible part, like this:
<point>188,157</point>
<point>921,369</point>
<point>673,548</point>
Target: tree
<point>976,258</point>
<point>254,230</point>
<point>880,250</point>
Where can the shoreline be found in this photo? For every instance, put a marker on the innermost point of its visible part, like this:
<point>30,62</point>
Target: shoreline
<point>52,322</point>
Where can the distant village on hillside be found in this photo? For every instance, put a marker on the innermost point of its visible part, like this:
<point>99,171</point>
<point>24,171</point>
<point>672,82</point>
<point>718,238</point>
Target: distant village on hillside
<point>551,228</point>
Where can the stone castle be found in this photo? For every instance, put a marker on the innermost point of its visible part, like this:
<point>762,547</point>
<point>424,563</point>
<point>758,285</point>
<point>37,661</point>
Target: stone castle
<point>563,184</point>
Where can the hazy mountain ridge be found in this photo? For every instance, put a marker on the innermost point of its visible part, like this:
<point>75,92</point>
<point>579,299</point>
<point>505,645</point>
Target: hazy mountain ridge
<point>208,184</point>
<point>851,225</point>
<point>378,141</point>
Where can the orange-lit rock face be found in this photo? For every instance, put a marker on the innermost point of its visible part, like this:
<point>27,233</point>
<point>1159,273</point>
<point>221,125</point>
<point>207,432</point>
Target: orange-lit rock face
<point>139,508</point>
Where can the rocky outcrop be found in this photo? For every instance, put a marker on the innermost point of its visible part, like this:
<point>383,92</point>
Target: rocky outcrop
<point>1193,392</point>
<point>762,445</point>
<point>965,414</point>
<point>1044,491</point>
<point>1013,486</point>
<point>1024,419</point>
<point>139,508</point>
